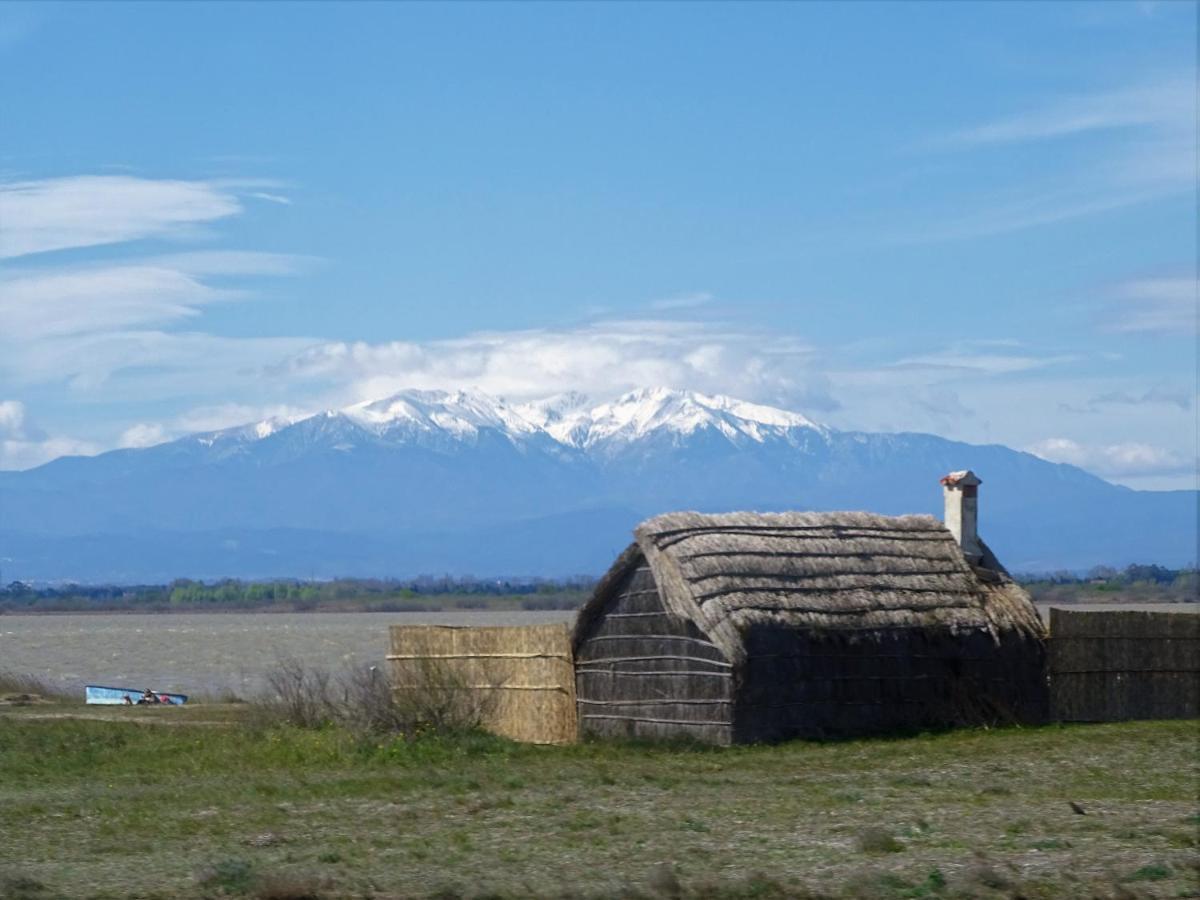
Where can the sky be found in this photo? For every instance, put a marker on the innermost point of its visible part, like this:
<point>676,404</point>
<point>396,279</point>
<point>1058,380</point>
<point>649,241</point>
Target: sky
<point>971,219</point>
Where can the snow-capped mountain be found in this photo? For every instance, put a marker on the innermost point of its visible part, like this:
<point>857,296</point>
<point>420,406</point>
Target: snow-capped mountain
<point>457,481</point>
<point>568,419</point>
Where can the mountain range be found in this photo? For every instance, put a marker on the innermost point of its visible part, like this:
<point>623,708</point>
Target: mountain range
<point>432,482</point>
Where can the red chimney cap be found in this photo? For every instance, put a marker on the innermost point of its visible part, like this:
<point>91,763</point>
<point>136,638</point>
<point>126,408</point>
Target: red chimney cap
<point>964,478</point>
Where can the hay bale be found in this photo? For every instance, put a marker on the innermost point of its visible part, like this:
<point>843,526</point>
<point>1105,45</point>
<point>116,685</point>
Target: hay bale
<point>520,680</point>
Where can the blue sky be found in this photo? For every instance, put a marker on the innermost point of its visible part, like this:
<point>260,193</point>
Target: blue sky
<point>971,219</point>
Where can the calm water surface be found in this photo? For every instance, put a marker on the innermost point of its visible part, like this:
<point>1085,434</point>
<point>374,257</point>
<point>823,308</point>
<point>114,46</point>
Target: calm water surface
<point>197,653</point>
<point>208,653</point>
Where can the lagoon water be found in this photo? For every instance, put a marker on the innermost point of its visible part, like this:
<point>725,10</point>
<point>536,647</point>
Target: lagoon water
<point>211,653</point>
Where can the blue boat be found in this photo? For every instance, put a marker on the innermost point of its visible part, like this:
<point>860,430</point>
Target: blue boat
<point>113,696</point>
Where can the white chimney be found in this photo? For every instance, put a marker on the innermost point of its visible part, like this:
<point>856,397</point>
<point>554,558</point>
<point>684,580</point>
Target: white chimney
<point>961,490</point>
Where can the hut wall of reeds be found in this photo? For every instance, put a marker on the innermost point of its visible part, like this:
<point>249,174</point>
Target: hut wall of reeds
<point>518,682</point>
<point>747,627</point>
<point>1111,666</point>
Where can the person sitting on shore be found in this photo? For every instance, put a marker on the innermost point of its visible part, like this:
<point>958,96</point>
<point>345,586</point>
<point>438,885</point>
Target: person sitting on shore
<point>147,697</point>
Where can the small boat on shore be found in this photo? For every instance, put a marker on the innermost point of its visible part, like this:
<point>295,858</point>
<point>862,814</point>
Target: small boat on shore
<point>115,696</point>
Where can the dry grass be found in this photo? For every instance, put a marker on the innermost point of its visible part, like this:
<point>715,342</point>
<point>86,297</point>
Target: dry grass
<point>18,689</point>
<point>286,812</point>
<point>361,700</point>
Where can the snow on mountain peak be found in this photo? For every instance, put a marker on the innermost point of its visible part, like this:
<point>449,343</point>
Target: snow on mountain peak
<point>569,418</point>
<point>458,412</point>
<point>641,412</point>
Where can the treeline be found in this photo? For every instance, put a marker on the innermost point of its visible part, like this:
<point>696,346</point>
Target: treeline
<point>1104,584</point>
<point>1133,584</point>
<point>426,593</point>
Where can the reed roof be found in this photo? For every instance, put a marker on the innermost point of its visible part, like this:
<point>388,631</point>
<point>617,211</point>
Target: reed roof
<point>840,572</point>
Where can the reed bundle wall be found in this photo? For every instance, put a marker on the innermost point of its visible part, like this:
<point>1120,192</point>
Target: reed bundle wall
<point>641,672</point>
<point>1112,666</point>
<point>520,679</point>
<point>799,682</point>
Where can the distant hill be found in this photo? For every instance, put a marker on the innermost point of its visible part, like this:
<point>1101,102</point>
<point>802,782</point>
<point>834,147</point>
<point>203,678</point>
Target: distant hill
<point>462,483</point>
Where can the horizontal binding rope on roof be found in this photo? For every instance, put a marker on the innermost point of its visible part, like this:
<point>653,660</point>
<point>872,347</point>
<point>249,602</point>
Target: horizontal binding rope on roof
<point>799,534</point>
<point>865,588</point>
<point>814,554</point>
<point>929,526</point>
<point>807,576</point>
<point>420,656</point>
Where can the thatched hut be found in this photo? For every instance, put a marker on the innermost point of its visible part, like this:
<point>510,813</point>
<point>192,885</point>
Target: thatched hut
<point>745,627</point>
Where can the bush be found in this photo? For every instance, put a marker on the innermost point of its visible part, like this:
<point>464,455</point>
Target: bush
<point>364,702</point>
<point>878,840</point>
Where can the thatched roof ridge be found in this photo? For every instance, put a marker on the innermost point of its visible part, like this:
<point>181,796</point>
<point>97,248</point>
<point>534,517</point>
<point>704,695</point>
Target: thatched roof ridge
<point>851,572</point>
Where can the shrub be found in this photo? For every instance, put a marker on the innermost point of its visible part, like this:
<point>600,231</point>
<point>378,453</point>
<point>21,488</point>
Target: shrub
<point>1153,872</point>
<point>436,699</point>
<point>878,840</point>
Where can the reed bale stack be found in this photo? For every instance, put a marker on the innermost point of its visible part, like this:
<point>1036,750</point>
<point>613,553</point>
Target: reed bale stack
<point>1125,664</point>
<point>521,679</point>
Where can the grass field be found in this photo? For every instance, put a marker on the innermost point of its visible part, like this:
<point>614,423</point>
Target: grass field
<point>195,802</point>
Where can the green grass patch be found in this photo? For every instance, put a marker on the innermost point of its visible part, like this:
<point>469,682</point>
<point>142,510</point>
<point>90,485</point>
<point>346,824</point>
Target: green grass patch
<point>230,809</point>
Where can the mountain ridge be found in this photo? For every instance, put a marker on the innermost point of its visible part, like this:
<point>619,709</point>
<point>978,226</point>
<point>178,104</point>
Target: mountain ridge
<point>460,482</point>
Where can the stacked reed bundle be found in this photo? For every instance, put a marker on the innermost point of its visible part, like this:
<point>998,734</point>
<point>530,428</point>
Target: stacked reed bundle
<point>519,681</point>
<point>1110,666</point>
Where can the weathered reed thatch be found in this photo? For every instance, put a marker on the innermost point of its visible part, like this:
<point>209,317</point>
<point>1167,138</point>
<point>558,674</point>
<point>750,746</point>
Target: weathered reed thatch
<point>518,681</point>
<point>753,626</point>
<point>1110,666</point>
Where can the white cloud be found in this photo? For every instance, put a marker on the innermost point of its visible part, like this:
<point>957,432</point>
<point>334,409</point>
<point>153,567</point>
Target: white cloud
<point>227,415</point>
<point>1155,306</point>
<point>142,435</point>
<point>1120,460</point>
<point>601,360</point>
<point>91,210</point>
<point>24,445</point>
<point>12,418</point>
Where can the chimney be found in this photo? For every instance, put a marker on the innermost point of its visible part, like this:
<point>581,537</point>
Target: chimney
<point>961,490</point>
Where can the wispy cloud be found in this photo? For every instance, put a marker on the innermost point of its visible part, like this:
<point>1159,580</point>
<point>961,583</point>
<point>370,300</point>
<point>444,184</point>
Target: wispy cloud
<point>979,359</point>
<point>682,301</point>
<point>92,210</point>
<point>1158,394</point>
<point>43,302</point>
<point>1155,306</point>
<point>1165,105</point>
<point>1141,147</point>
